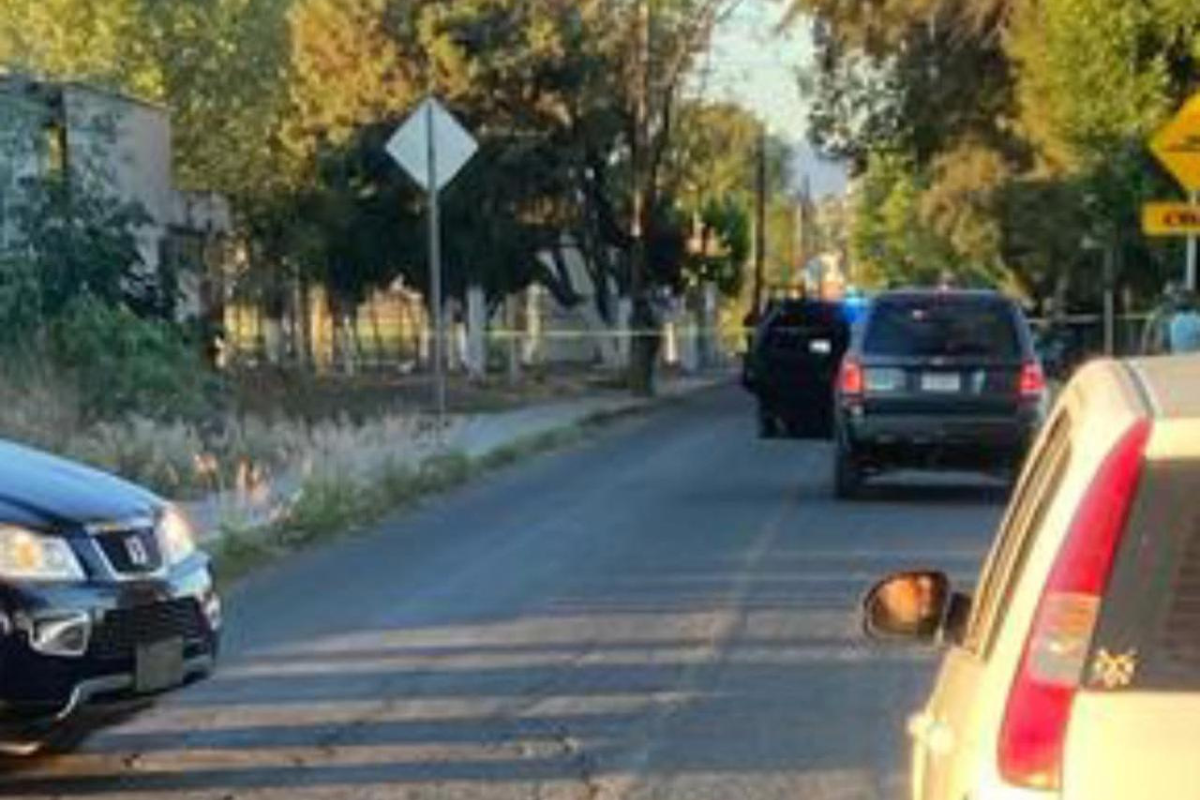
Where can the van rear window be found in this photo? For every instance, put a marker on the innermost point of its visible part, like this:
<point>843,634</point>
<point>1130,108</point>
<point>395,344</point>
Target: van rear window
<point>945,327</point>
<point>795,325</point>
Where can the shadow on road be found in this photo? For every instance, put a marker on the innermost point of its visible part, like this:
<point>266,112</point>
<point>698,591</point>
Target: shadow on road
<point>912,492</point>
<point>682,608</point>
<point>772,729</point>
<point>500,702</point>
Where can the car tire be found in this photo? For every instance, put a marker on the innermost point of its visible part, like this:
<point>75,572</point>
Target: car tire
<point>768,425</point>
<point>847,474</point>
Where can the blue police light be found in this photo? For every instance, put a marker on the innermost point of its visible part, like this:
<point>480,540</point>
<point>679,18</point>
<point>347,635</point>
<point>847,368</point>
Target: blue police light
<point>854,305</point>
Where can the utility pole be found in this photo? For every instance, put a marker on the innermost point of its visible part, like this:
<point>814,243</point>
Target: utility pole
<point>760,226</point>
<point>641,346</point>
<point>1110,298</point>
<point>813,246</point>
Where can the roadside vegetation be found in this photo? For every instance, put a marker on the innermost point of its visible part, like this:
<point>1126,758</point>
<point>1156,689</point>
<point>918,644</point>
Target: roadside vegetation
<point>283,107</point>
<point>332,503</point>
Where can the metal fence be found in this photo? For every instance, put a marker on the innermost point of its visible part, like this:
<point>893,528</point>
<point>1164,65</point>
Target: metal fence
<point>1065,343</point>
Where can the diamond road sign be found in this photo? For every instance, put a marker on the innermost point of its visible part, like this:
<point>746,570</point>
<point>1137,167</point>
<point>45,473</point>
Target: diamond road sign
<point>1177,145</point>
<point>453,145</point>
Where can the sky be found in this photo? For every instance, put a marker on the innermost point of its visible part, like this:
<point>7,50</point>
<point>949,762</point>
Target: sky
<point>754,65</point>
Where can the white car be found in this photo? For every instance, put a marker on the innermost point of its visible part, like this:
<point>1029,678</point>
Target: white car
<point>1074,669</point>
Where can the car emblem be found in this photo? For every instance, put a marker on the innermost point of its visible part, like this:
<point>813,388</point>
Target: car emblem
<point>138,555</point>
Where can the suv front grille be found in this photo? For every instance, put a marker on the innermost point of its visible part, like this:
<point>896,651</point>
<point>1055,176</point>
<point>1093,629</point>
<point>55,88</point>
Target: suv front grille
<point>125,629</point>
<point>131,552</point>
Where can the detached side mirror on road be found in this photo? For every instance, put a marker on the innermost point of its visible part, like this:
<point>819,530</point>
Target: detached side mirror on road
<point>907,606</point>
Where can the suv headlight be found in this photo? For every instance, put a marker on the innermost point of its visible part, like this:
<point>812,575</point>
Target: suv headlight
<point>175,536</point>
<point>29,556</point>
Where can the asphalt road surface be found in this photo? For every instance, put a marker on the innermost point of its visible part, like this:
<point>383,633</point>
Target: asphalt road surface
<point>665,612</point>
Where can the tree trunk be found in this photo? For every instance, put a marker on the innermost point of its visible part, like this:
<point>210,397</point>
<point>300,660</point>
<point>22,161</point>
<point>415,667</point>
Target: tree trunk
<point>415,325</point>
<point>531,351</point>
<point>290,325</point>
<point>356,343</point>
<point>335,332</point>
<point>643,354</point>
<point>307,359</point>
<point>376,333</point>
<point>476,322</point>
<point>514,346</point>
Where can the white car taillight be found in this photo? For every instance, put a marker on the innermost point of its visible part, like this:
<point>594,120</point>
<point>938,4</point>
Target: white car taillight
<point>1048,676</point>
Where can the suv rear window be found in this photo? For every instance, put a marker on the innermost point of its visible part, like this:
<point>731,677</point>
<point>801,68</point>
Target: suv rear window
<point>935,326</point>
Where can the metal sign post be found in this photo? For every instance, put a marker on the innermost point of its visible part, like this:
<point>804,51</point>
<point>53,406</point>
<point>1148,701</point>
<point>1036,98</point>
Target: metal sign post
<point>433,147</point>
<point>435,272</point>
<point>1190,280</point>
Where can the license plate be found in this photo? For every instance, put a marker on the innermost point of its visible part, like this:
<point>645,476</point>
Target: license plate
<point>885,380</point>
<point>822,347</point>
<point>941,382</point>
<point>159,666</point>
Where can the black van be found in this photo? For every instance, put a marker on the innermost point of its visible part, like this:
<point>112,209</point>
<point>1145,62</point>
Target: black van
<point>792,366</point>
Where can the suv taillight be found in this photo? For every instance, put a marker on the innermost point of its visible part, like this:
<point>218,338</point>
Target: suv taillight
<point>1033,381</point>
<point>851,381</point>
<point>1049,673</point>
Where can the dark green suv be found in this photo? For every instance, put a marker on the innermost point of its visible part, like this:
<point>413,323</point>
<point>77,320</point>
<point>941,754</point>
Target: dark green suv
<point>937,380</point>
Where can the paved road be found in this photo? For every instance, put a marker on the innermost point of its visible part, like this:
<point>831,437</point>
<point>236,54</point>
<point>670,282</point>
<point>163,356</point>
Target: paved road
<point>664,613</point>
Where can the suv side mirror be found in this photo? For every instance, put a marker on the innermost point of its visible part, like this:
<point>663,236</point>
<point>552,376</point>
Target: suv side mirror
<point>907,605</point>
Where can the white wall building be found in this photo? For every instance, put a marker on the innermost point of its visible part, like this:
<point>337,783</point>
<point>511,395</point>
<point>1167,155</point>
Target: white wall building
<point>110,143</point>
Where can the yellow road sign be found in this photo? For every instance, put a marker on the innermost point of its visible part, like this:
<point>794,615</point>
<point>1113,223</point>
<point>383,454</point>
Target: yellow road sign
<point>1170,219</point>
<point>1177,145</point>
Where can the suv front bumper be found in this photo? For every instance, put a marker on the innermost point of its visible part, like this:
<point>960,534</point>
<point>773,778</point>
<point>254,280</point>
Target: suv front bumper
<point>39,687</point>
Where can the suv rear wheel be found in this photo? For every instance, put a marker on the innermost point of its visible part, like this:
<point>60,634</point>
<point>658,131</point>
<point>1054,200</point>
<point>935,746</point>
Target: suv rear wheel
<point>768,424</point>
<point>847,474</point>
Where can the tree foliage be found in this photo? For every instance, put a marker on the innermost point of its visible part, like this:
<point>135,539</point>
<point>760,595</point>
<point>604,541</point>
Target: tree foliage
<point>284,106</point>
<point>1021,124</point>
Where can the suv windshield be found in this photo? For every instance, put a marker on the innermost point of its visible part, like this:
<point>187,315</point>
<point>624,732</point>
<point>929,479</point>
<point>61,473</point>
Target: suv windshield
<point>937,327</point>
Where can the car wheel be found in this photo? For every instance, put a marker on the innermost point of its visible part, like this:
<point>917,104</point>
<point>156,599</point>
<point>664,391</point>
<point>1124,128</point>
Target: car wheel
<point>847,474</point>
<point>768,424</point>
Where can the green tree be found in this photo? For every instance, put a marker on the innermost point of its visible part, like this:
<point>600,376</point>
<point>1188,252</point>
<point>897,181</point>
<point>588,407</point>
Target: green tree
<point>714,154</point>
<point>890,242</point>
<point>68,38</point>
<point>1094,81</point>
<point>724,246</point>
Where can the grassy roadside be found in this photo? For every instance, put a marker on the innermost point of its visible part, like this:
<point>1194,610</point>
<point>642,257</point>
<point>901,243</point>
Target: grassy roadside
<point>331,507</point>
